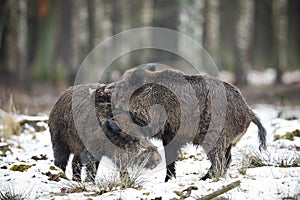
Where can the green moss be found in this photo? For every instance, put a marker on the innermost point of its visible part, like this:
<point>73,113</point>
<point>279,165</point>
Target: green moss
<point>296,133</point>
<point>288,135</point>
<point>53,168</point>
<point>20,168</point>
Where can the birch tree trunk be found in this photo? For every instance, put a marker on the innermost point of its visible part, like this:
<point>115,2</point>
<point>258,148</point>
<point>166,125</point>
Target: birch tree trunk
<point>80,36</point>
<point>243,29</point>
<point>212,23</point>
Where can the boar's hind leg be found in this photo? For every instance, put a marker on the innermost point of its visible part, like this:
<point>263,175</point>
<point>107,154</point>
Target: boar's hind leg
<point>61,155</point>
<point>220,160</point>
<point>76,167</point>
<point>92,167</point>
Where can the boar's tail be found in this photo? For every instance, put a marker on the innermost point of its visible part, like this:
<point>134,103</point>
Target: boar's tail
<point>261,133</point>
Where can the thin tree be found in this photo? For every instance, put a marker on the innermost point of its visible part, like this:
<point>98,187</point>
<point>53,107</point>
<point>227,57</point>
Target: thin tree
<point>280,33</point>
<point>243,29</point>
<point>44,55</point>
<point>10,33</point>
<point>293,39</point>
<point>212,29</point>
<point>80,34</point>
<point>22,43</point>
<point>66,33</point>
<point>165,14</point>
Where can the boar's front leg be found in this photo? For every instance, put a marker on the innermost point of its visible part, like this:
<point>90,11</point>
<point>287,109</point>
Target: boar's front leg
<point>171,153</point>
<point>92,168</point>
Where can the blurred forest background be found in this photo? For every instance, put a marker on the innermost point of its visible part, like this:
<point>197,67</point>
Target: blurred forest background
<point>43,42</point>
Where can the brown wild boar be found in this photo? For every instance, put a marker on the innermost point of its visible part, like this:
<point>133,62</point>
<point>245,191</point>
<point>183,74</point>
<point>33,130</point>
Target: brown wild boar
<point>81,123</point>
<point>191,109</point>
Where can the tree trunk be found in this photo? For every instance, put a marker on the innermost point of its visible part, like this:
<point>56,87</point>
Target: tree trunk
<point>4,16</point>
<point>136,9</point>
<point>280,33</point>
<point>80,36</point>
<point>91,23</point>
<point>228,10</point>
<point>22,44</point>
<point>44,57</point>
<point>64,54</point>
<point>263,48</point>
<point>212,25</point>
<point>11,36</point>
<point>242,34</point>
<point>293,43</point>
<point>116,19</point>
<point>165,14</point>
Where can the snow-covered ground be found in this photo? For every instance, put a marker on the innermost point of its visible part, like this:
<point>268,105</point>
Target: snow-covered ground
<point>273,174</point>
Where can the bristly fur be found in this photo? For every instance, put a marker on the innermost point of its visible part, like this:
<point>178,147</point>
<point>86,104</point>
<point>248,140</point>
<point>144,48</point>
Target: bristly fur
<point>144,90</point>
<point>81,123</point>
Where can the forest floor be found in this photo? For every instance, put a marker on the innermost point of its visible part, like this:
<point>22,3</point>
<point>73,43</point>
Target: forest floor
<point>27,169</point>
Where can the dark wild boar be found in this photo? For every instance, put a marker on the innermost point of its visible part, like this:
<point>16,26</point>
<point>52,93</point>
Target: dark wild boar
<point>81,123</point>
<point>191,109</point>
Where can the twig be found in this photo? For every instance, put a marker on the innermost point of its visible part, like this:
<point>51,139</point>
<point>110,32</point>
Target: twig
<point>223,190</point>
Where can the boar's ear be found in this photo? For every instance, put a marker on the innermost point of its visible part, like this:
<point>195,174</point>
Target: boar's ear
<point>150,67</point>
<point>91,92</point>
<point>137,77</point>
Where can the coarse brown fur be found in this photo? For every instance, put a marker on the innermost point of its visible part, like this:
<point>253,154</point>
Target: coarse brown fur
<point>81,123</point>
<point>199,109</point>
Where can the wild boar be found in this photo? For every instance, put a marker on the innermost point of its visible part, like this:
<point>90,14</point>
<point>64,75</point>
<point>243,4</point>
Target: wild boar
<point>81,123</point>
<point>180,109</point>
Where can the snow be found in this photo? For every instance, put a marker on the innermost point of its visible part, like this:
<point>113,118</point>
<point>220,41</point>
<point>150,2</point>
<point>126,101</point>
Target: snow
<point>266,182</point>
<point>263,77</point>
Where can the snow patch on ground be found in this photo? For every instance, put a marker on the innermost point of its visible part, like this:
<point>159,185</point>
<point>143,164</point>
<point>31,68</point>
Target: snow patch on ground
<point>266,182</point>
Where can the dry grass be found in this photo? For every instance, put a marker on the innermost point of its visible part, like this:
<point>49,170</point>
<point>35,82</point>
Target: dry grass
<point>276,158</point>
<point>73,187</point>
<point>123,179</point>
<point>11,192</point>
<point>10,126</point>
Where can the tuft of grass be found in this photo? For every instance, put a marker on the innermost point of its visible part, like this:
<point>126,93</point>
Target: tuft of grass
<point>10,125</point>
<point>122,179</point>
<point>11,192</point>
<point>73,187</point>
<point>276,159</point>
